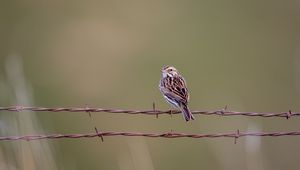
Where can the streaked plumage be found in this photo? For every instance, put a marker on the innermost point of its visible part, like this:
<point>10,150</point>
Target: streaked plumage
<point>173,87</point>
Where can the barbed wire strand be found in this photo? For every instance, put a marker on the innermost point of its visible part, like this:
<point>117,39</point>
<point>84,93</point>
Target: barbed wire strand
<point>171,134</point>
<point>154,111</point>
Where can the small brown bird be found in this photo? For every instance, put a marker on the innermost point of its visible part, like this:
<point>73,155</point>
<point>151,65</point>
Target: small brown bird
<point>173,87</point>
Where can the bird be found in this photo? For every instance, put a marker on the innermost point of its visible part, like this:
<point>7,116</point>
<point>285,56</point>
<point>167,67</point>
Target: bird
<point>174,89</point>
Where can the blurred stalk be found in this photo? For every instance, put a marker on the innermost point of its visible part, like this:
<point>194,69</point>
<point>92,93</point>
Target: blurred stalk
<point>32,155</point>
<point>254,154</point>
<point>140,154</point>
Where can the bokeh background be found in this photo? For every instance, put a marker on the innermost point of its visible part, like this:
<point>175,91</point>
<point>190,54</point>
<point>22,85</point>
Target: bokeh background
<point>244,54</point>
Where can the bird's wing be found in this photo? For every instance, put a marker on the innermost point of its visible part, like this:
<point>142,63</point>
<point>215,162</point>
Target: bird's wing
<point>175,87</point>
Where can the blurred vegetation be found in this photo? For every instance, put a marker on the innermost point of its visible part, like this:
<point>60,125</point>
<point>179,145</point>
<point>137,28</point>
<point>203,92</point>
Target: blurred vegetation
<point>243,54</point>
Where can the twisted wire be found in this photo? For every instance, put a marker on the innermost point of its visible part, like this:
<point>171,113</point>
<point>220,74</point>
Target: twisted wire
<point>221,112</point>
<point>235,135</point>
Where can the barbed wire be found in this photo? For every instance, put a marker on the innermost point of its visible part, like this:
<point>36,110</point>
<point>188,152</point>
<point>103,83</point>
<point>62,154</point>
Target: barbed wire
<point>221,112</point>
<point>171,134</point>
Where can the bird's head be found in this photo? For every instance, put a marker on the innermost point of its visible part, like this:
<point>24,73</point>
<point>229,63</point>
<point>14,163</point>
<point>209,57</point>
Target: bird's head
<point>169,71</point>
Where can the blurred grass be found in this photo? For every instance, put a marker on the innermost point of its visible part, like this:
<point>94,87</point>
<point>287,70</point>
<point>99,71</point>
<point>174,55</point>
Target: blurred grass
<point>109,54</point>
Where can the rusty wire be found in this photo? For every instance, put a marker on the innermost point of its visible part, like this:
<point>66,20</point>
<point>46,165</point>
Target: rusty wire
<point>171,134</point>
<point>221,112</point>
<point>154,111</point>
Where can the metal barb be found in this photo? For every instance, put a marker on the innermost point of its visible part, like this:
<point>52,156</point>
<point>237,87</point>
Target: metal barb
<point>222,111</point>
<point>154,109</point>
<point>169,134</point>
<point>237,135</point>
<point>99,134</point>
<point>288,114</point>
<point>171,113</point>
<point>87,109</point>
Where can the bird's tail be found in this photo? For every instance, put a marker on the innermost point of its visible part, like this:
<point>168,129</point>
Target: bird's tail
<point>186,112</point>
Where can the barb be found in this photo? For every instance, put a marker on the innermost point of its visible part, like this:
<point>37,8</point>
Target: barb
<point>154,111</point>
<point>99,134</point>
<point>234,135</point>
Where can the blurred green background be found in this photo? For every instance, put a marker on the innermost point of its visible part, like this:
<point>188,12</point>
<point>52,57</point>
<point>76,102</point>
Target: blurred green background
<point>244,54</point>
